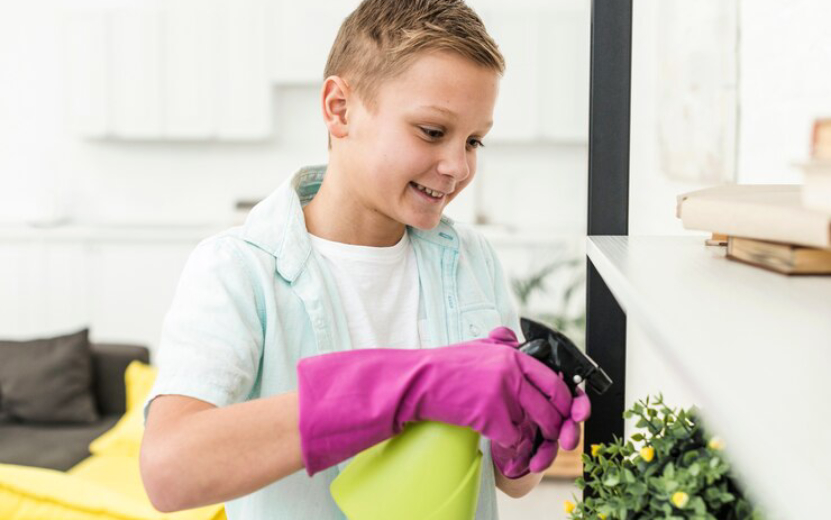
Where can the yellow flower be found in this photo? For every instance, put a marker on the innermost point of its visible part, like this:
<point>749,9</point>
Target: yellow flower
<point>680,499</point>
<point>568,506</point>
<point>596,449</point>
<point>601,516</point>
<point>716,443</point>
<point>648,453</point>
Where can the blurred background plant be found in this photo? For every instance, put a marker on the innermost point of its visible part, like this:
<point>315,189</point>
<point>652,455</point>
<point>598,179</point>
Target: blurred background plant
<point>568,314</point>
<point>678,471</point>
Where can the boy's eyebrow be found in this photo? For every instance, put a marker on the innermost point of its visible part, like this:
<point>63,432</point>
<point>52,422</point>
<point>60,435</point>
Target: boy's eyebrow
<point>449,113</point>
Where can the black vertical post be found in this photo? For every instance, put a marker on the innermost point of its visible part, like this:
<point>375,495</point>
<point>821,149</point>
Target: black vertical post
<point>608,204</point>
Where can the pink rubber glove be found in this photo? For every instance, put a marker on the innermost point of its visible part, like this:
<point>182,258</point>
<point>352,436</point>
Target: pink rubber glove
<point>350,401</point>
<point>517,460</point>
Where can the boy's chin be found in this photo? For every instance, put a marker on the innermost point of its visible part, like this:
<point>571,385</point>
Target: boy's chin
<point>424,224</point>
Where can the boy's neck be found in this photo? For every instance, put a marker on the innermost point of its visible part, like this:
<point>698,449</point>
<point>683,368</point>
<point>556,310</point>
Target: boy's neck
<point>335,214</point>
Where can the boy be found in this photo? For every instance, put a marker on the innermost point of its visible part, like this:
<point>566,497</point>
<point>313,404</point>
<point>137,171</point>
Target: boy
<point>270,359</point>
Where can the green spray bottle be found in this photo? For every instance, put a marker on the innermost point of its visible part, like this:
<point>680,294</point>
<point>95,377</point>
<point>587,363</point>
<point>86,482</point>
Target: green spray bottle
<point>432,470</point>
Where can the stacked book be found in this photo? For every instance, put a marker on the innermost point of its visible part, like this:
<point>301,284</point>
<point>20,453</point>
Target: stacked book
<point>785,228</point>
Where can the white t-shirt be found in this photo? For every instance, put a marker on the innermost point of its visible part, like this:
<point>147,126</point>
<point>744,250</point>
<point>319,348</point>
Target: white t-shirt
<point>378,287</point>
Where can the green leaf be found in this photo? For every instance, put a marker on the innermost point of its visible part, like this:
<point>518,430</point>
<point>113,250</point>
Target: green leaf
<point>637,437</point>
<point>638,489</point>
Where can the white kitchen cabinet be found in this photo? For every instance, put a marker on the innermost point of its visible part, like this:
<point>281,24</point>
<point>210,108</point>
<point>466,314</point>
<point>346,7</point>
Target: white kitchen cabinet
<point>300,36</point>
<point>189,70</point>
<point>86,58</point>
<point>544,93</point>
<point>135,73</point>
<point>42,287</point>
<point>118,281</point>
<point>244,97</point>
<point>131,287</point>
<point>177,70</point>
<point>517,34</point>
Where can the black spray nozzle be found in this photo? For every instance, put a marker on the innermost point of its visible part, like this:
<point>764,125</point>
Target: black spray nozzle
<point>560,354</point>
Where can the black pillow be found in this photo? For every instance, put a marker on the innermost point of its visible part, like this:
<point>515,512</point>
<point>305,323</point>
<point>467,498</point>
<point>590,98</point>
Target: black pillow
<point>47,380</point>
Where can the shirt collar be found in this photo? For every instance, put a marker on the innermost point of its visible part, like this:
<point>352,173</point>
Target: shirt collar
<point>277,225</point>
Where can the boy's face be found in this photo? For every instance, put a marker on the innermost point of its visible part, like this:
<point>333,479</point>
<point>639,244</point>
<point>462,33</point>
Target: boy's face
<point>423,132</point>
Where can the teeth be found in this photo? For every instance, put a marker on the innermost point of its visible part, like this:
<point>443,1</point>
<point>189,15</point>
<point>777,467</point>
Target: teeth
<point>428,191</point>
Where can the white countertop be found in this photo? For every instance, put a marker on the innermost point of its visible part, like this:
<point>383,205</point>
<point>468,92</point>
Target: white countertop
<point>110,233</point>
<point>754,346</point>
<point>497,235</point>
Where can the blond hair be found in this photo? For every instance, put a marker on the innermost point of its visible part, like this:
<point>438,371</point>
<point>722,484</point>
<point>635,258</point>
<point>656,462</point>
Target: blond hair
<point>382,37</point>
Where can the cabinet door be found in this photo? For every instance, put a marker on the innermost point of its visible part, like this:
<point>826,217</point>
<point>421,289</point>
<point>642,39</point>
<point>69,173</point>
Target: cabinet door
<point>243,102</point>
<point>135,73</point>
<point>544,93</point>
<point>301,35</point>
<point>188,66</point>
<point>86,46</point>
<point>42,289</point>
<point>182,69</point>
<point>132,286</point>
<point>16,301</point>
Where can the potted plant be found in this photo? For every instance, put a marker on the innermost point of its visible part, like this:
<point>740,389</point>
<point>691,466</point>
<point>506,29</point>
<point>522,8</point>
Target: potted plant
<point>671,469</point>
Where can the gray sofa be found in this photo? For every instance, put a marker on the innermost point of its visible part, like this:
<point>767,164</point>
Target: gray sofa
<point>61,446</point>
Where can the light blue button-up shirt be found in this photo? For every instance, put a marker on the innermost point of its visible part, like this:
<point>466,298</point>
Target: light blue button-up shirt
<point>255,299</point>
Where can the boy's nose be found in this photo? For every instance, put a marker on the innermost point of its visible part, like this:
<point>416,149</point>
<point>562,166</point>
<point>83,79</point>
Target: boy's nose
<point>454,163</point>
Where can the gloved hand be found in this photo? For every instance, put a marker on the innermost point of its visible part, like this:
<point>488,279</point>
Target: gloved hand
<point>515,461</point>
<point>352,400</point>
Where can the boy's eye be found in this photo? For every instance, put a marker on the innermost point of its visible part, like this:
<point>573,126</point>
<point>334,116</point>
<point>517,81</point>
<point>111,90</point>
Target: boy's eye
<point>475,143</point>
<point>432,133</point>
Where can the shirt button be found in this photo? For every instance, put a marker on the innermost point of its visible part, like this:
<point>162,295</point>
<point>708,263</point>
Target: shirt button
<point>474,330</point>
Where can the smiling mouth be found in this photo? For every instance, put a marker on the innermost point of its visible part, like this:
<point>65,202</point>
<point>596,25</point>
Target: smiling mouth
<point>433,194</point>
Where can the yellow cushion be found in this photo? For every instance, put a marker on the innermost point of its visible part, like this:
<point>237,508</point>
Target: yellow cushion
<point>121,474</point>
<point>125,437</point>
<point>138,378</point>
<point>43,494</point>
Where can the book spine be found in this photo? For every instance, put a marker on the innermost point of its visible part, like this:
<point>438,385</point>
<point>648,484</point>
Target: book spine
<point>776,224</point>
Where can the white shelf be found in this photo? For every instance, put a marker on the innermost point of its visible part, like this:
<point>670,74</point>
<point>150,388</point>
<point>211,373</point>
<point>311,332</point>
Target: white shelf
<point>753,346</point>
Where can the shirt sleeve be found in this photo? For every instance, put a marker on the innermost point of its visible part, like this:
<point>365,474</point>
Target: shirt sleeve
<point>212,336</point>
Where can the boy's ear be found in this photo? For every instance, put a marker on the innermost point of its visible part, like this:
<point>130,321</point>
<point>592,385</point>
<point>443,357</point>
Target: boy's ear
<point>335,94</point>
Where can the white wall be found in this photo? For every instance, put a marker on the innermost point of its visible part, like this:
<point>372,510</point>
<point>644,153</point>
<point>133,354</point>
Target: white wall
<point>785,82</point>
<point>44,164</point>
<point>784,79</point>
<point>52,176</point>
<point>48,172</point>
<point>652,193</point>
